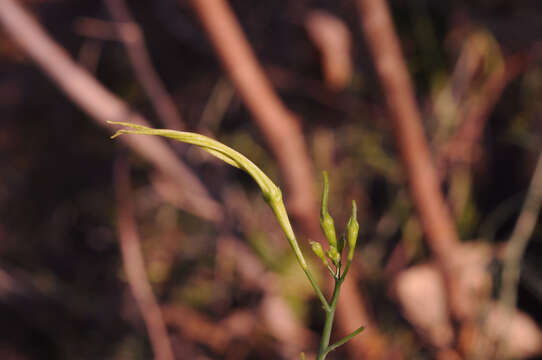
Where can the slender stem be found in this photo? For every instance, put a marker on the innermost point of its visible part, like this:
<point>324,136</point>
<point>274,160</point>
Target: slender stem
<point>277,205</point>
<point>344,340</point>
<point>316,288</point>
<point>347,267</point>
<point>328,325</point>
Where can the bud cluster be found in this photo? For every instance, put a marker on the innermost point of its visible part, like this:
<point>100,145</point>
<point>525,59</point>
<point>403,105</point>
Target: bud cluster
<point>327,224</point>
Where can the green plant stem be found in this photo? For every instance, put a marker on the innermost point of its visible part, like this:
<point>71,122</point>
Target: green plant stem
<point>347,267</point>
<point>344,340</point>
<point>319,293</point>
<point>328,325</point>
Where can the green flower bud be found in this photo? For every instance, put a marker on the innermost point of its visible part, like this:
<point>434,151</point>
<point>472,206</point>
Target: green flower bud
<point>352,229</point>
<point>333,254</point>
<point>318,251</point>
<point>326,221</point>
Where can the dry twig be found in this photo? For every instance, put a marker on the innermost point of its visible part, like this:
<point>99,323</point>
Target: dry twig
<point>132,37</point>
<point>517,244</point>
<point>334,41</point>
<point>134,266</point>
<point>423,180</point>
<point>408,130</point>
<point>463,145</point>
<point>280,127</point>
<point>101,105</point>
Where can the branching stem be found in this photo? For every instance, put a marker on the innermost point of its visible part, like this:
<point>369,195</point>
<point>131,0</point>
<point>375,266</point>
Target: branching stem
<point>273,196</point>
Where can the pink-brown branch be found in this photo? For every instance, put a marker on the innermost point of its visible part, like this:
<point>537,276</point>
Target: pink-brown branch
<point>101,105</point>
<point>463,145</point>
<point>409,133</point>
<point>279,126</point>
<point>131,36</point>
<point>134,265</point>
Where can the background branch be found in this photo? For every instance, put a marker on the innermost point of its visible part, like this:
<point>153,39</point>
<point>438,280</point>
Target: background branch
<point>409,134</point>
<point>131,35</point>
<point>101,105</point>
<point>516,246</point>
<point>134,265</point>
<point>280,128</point>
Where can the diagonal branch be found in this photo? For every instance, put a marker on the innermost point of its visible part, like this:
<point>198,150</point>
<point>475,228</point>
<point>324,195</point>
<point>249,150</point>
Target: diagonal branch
<point>423,180</point>
<point>408,130</point>
<point>101,105</point>
<point>280,128</point>
<point>344,340</point>
<point>132,38</point>
<point>134,265</point>
<point>462,145</point>
<point>516,246</point>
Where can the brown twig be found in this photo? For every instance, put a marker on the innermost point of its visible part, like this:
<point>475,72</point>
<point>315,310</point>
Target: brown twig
<point>131,36</point>
<point>517,244</point>
<point>95,28</point>
<point>198,328</point>
<point>279,126</point>
<point>334,41</point>
<point>421,174</point>
<point>89,55</point>
<point>462,146</point>
<point>134,266</point>
<point>408,130</point>
<point>101,105</point>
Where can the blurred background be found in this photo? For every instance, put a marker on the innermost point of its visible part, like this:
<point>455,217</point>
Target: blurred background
<point>142,248</point>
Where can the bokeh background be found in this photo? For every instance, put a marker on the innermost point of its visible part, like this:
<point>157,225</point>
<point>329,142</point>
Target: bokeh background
<point>87,224</point>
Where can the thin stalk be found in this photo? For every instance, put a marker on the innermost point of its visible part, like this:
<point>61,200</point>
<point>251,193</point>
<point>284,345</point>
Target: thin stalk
<point>316,288</point>
<point>277,205</point>
<point>343,276</point>
<point>344,340</point>
<point>328,325</point>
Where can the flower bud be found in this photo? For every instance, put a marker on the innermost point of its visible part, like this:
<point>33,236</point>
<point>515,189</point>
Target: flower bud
<point>326,221</point>
<point>318,251</point>
<point>334,255</point>
<point>352,229</point>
